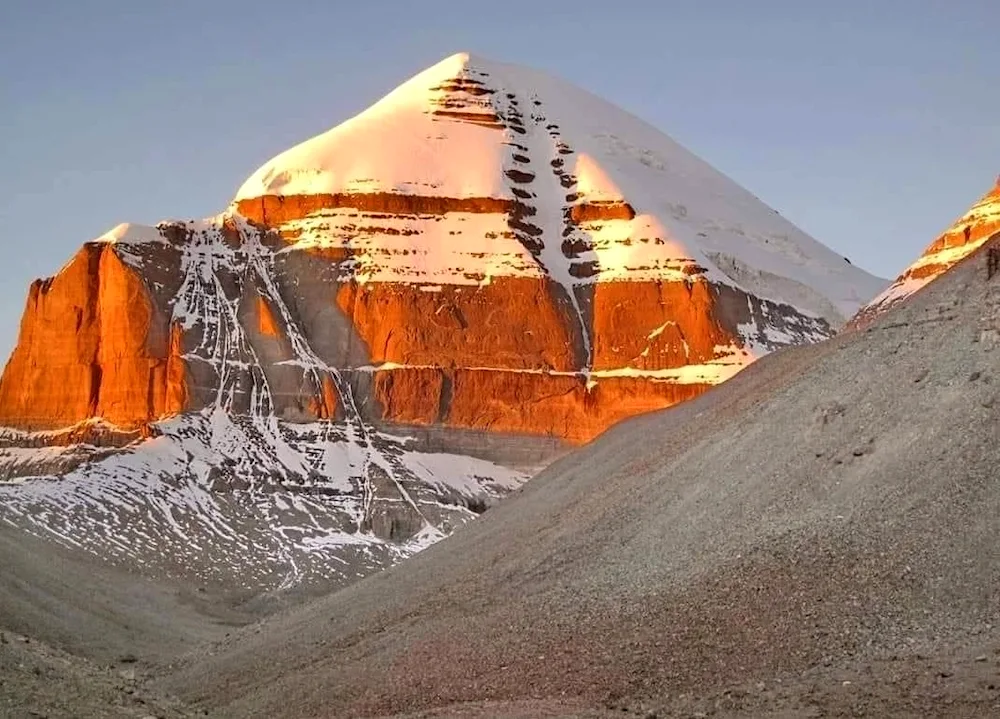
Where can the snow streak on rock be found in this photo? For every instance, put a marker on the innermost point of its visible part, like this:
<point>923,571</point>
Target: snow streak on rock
<point>232,491</point>
<point>211,498</point>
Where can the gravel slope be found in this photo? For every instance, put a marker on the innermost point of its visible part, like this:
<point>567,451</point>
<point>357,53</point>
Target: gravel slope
<point>829,516</point>
<point>38,680</point>
<point>79,638</point>
<point>73,601</point>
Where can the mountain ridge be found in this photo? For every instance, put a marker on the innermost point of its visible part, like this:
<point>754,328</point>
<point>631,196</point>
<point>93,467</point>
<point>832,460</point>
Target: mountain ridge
<point>353,371</point>
<point>966,235</point>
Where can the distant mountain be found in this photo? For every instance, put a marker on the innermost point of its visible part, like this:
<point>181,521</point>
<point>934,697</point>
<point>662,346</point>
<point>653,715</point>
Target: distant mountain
<point>965,236</point>
<point>393,324</point>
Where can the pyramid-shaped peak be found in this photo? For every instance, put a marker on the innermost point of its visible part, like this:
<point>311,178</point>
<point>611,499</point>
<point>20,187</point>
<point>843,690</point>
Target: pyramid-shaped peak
<point>461,61</point>
<point>466,62</point>
<point>443,131</point>
<point>470,135</point>
<point>463,67</point>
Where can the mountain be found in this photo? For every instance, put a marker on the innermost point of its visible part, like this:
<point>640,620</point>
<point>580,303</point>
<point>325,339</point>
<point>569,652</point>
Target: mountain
<point>815,537</point>
<point>968,233</point>
<point>392,325</point>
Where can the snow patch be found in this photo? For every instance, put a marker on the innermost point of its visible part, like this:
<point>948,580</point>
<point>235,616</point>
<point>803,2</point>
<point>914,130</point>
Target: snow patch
<point>130,233</point>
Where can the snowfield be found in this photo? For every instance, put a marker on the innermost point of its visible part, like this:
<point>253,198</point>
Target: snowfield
<point>690,212</point>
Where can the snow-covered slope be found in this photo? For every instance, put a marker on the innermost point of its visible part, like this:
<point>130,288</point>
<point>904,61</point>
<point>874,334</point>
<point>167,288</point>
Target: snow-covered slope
<point>246,502</point>
<point>526,136</point>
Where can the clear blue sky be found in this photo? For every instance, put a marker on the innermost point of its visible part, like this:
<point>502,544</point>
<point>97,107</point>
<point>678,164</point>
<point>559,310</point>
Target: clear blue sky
<point>870,123</point>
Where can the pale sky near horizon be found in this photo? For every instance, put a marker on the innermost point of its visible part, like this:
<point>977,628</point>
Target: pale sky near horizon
<point>871,124</point>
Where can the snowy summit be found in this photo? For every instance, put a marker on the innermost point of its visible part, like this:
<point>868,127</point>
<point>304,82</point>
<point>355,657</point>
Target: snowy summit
<point>506,122</point>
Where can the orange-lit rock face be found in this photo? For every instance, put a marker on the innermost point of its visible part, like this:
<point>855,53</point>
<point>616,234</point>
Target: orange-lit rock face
<point>275,210</point>
<point>480,251</point>
<point>965,236</point>
<point>506,356</point>
<point>655,326</point>
<point>266,324</point>
<point>93,344</point>
<point>562,406</point>
<point>974,227</point>
<point>324,405</point>
<point>235,320</point>
<point>175,398</point>
<point>512,323</point>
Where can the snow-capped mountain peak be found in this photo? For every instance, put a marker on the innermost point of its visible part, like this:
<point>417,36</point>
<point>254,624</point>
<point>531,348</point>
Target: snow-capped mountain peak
<point>525,136</point>
<point>393,324</point>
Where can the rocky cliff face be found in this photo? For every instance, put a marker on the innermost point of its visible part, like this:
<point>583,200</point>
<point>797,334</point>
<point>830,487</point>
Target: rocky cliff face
<point>968,233</point>
<point>93,343</point>
<point>392,325</point>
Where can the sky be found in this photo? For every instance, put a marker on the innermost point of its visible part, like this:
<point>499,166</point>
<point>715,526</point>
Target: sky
<point>871,124</point>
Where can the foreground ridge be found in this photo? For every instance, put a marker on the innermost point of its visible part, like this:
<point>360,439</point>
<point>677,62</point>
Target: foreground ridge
<point>782,542</point>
